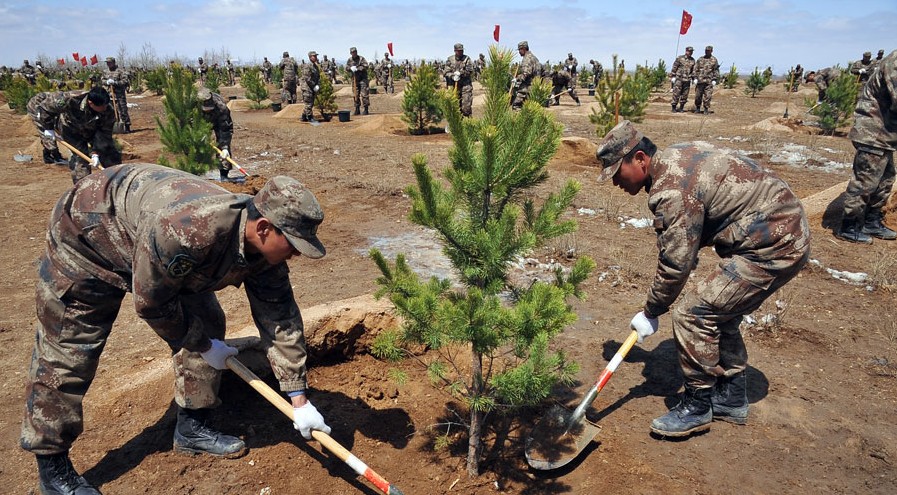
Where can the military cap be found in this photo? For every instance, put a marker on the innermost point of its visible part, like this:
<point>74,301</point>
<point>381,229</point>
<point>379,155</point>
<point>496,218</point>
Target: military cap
<point>523,44</point>
<point>615,146</point>
<point>293,209</point>
<point>110,60</point>
<point>689,48</point>
<point>867,54</point>
<point>26,61</point>
<point>459,46</point>
<point>570,54</point>
<point>286,54</point>
<point>881,52</point>
<point>204,95</point>
<point>353,50</point>
<point>312,54</point>
<point>709,48</point>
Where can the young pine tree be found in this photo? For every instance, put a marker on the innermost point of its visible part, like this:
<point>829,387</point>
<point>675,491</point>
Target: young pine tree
<point>185,132</point>
<point>255,86</point>
<point>325,99</point>
<point>730,80</point>
<point>755,83</point>
<point>485,215</point>
<point>619,94</point>
<point>840,101</point>
<point>420,104</point>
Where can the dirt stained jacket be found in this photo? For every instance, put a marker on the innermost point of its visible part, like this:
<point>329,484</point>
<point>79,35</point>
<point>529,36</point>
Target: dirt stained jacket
<point>71,111</point>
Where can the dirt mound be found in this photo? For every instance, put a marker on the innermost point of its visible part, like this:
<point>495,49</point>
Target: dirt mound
<point>576,150</point>
<point>251,185</point>
<point>771,124</point>
<point>244,105</point>
<point>385,124</point>
<point>293,112</point>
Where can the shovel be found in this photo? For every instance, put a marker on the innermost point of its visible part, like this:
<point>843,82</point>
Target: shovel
<point>232,162</point>
<point>118,127</point>
<point>326,440</point>
<point>21,158</point>
<point>561,435</point>
<point>76,151</point>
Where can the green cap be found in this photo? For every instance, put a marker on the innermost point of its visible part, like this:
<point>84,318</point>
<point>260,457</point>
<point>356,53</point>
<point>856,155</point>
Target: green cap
<point>293,209</point>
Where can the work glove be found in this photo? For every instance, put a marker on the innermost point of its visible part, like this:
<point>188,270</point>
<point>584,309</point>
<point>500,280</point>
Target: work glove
<point>389,66</point>
<point>353,68</point>
<point>569,67</point>
<point>218,354</point>
<point>94,160</point>
<point>862,71</point>
<point>673,80</point>
<point>456,76</point>
<point>713,83</point>
<point>110,82</point>
<point>317,88</point>
<point>50,133</point>
<point>694,81</point>
<point>224,154</point>
<point>643,326</point>
<point>307,418</point>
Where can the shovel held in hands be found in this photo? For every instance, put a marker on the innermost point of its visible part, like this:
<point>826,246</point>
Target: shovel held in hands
<point>561,435</point>
<point>232,162</point>
<point>76,151</point>
<point>326,440</point>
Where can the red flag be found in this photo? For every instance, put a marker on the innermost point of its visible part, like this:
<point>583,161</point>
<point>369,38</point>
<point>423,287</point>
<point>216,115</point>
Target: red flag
<point>84,60</point>
<point>60,61</point>
<point>94,59</point>
<point>495,32</point>
<point>76,56</point>
<point>686,22</point>
<point>389,47</point>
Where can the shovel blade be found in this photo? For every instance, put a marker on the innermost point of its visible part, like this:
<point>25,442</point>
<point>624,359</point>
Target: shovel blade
<point>119,128</point>
<point>22,158</point>
<point>557,439</point>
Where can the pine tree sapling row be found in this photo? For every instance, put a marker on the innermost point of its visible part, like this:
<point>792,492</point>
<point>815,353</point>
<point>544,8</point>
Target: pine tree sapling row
<point>620,95</point>
<point>420,104</point>
<point>485,214</point>
<point>185,133</point>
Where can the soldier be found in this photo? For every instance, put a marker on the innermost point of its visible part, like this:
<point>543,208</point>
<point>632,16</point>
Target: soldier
<point>680,77</point>
<point>172,239</point>
<point>701,196</point>
<point>823,78</point>
<point>571,65</point>
<point>267,67</point>
<point>878,58</point>
<point>231,73</point>
<point>863,68</point>
<point>874,135</point>
<point>117,80</point>
<point>288,69</point>
<point>409,69</point>
<point>203,70</point>
<point>358,67</point>
<point>798,73</point>
<point>309,85</point>
<point>386,74</point>
<point>82,119</point>
<point>460,69</point>
<point>328,67</point>
<point>706,73</point>
<point>528,68</point>
<point>215,111</point>
<point>28,72</point>
<point>560,80</point>
<point>597,72</point>
<point>479,65</point>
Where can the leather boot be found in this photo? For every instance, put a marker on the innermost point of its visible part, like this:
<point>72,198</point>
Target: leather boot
<point>365,112</point>
<point>304,118</point>
<point>48,157</point>
<point>674,108</point>
<point>192,436</point>
<point>58,476</point>
<point>693,414</point>
<point>851,230</point>
<point>873,226</point>
<point>729,399</point>
<point>681,107</point>
<point>223,173</point>
<point>357,110</point>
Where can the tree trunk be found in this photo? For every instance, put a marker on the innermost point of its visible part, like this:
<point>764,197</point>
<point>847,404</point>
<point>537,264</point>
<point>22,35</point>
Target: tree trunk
<point>474,442</point>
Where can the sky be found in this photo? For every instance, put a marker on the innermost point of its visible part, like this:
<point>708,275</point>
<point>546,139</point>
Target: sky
<point>746,33</point>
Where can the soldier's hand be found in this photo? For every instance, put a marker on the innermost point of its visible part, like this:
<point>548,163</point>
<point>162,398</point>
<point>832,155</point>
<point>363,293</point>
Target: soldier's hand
<point>217,355</point>
<point>694,81</point>
<point>713,83</point>
<point>224,154</point>
<point>94,160</point>
<point>353,68</point>
<point>307,418</point>
<point>862,71</point>
<point>50,133</point>
<point>317,88</point>
<point>110,82</point>
<point>643,325</point>
<point>673,80</point>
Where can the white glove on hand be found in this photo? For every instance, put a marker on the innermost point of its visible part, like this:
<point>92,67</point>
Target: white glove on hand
<point>110,82</point>
<point>694,81</point>
<point>307,418</point>
<point>862,71</point>
<point>673,80</point>
<point>456,76</point>
<point>353,68</point>
<point>50,133</point>
<point>570,67</point>
<point>643,326</point>
<point>225,154</point>
<point>94,160</point>
<point>389,66</point>
<point>317,88</point>
<point>218,354</point>
<point>713,83</point>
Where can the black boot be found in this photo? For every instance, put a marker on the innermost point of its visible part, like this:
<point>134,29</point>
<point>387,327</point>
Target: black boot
<point>58,477</point>
<point>365,112</point>
<point>304,118</point>
<point>674,108</point>
<point>729,399</point>
<point>681,107</point>
<point>127,128</point>
<point>48,157</point>
<point>357,110</point>
<point>851,230</point>
<point>192,436</point>
<point>691,415</point>
<point>224,177</point>
<point>874,227</point>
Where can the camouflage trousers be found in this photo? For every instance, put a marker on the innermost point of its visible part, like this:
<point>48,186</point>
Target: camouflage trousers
<point>703,95</point>
<point>389,84</point>
<point>680,91</point>
<point>520,95</point>
<point>308,98</point>
<point>464,93</point>
<point>361,95</point>
<point>288,94</point>
<point>33,111</point>
<point>120,98</point>
<point>870,186</point>
<point>706,321</point>
<point>75,316</point>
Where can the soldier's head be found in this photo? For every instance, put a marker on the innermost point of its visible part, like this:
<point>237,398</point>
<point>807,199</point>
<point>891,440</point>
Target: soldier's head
<point>294,213</point>
<point>26,62</point>
<point>286,54</point>
<point>325,57</point>
<point>204,97</point>
<point>199,59</point>
<point>570,55</point>
<point>881,54</point>
<point>689,50</point>
<point>110,61</point>
<point>708,50</point>
<point>313,57</point>
<point>523,47</point>
<point>459,49</point>
<point>353,52</point>
<point>867,56</point>
<point>98,99</point>
<point>625,155</point>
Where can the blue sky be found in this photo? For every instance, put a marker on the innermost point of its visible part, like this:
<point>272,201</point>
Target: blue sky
<point>747,33</point>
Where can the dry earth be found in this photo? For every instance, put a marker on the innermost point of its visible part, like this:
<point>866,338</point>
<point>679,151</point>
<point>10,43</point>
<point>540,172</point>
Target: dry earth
<point>823,379</point>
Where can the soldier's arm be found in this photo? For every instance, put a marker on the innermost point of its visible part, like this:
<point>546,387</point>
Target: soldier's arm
<point>224,127</point>
<point>50,109</point>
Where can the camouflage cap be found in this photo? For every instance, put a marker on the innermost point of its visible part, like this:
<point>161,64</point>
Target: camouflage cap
<point>867,54</point>
<point>523,44</point>
<point>286,54</point>
<point>204,95</point>
<point>708,48</point>
<point>618,142</point>
<point>353,50</point>
<point>110,60</point>
<point>689,48</point>
<point>312,54</point>
<point>293,209</point>
<point>459,46</point>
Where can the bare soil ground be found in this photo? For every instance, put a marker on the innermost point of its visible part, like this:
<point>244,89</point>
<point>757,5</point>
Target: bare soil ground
<point>823,380</point>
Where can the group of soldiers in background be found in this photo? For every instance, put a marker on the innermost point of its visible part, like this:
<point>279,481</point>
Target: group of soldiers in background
<point>703,73</point>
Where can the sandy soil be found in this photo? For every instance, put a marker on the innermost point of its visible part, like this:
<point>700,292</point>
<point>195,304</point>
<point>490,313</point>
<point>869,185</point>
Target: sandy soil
<point>823,380</point>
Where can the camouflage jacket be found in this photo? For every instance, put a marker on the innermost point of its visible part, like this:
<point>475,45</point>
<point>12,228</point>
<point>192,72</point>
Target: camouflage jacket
<point>683,67</point>
<point>267,66</point>
<point>361,64</point>
<point>701,197</point>
<point>385,67</point>
<point>203,68</point>
<point>463,65</point>
<point>875,117</point>
<point>571,64</point>
<point>867,69</point>
<point>529,68</point>
<point>69,112</point>
<point>311,76</point>
<point>706,69</point>
<point>162,233</point>
<point>561,78</point>
<point>120,78</point>
<point>221,121</point>
<point>825,76</point>
<point>289,68</point>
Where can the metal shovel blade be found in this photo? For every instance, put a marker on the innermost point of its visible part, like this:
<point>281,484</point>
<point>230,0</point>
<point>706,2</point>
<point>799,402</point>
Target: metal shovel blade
<point>558,438</point>
<point>119,128</point>
<point>19,157</point>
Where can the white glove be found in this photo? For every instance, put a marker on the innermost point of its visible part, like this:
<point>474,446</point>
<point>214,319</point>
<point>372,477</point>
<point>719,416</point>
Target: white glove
<point>713,83</point>
<point>456,76</point>
<point>643,326</point>
<point>389,66</point>
<point>94,160</point>
<point>225,154</point>
<point>218,354</point>
<point>569,67</point>
<point>862,71</point>
<point>50,133</point>
<point>110,82</point>
<point>317,88</point>
<point>673,80</point>
<point>353,68</point>
<point>307,418</point>
<point>694,81</point>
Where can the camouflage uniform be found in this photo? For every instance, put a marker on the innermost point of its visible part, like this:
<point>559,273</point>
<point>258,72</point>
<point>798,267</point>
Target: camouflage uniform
<point>361,95</point>
<point>310,79</point>
<point>706,73</point>
<point>462,68</point>
<point>231,73</point>
<point>702,197</point>
<point>571,65</point>
<point>597,72</point>
<point>69,114</point>
<point>267,67</point>
<point>216,112</point>
<point>328,67</point>
<point>171,239</point>
<point>203,70</point>
<point>863,68</point>
<point>28,72</point>
<point>528,69</point>
<point>288,68</point>
<point>480,66</point>
<point>119,87</point>
<point>560,80</point>
<point>874,135</point>
<point>385,71</point>
<point>823,78</point>
<point>681,73</point>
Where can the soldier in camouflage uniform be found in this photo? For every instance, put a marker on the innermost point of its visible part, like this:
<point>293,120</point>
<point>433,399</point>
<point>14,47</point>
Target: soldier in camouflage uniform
<point>701,196</point>
<point>82,119</point>
<point>863,68</point>
<point>385,71</point>
<point>231,73</point>
<point>823,78</point>
<point>117,79</point>
<point>597,72</point>
<point>28,72</point>
<point>706,73</point>
<point>528,69</point>
<point>289,69</point>
<point>267,67</point>
<point>479,66</point>
<point>172,239</point>
<point>874,135</point>
<point>309,85</point>
<point>571,65</point>
<point>560,80</point>
<point>215,111</point>
<point>358,68</point>
<point>459,69</point>
<point>203,70</point>
<point>328,67</point>
<point>680,76</point>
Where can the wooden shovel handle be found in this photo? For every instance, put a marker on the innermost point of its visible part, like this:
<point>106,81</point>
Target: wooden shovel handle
<point>75,151</point>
